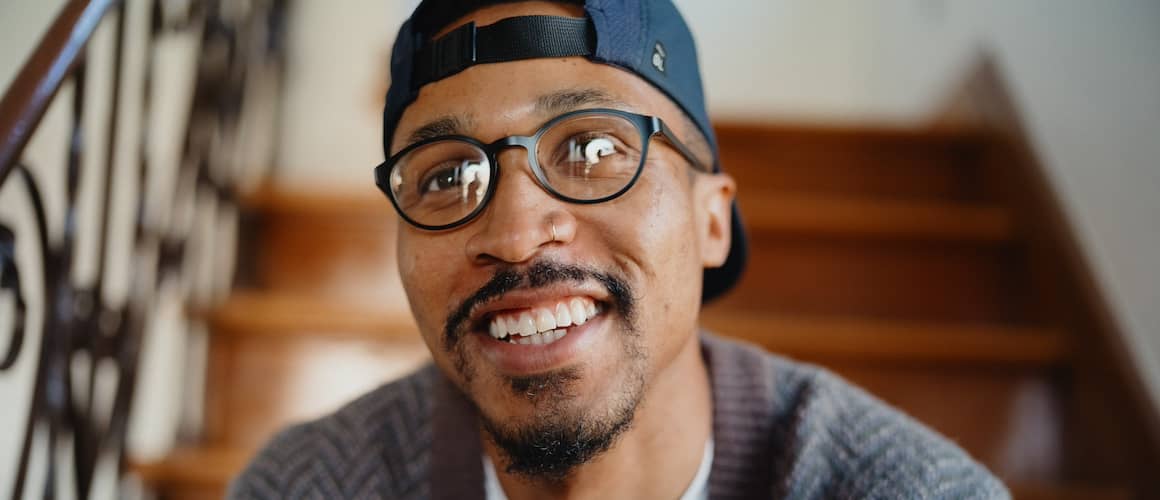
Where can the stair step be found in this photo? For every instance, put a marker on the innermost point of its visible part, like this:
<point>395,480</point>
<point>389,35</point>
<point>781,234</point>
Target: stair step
<point>206,466</point>
<point>257,313</point>
<point>834,133</point>
<point>272,200</point>
<point>936,282</point>
<point>835,339</point>
<point>901,163</point>
<point>250,314</point>
<point>786,214</point>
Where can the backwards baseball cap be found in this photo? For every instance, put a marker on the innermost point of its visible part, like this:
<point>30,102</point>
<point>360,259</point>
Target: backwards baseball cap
<point>648,38</point>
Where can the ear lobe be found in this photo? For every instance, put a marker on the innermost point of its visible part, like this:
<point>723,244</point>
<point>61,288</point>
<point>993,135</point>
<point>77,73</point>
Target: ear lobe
<point>714,196</point>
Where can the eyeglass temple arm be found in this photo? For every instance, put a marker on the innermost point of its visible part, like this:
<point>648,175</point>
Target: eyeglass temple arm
<point>678,145</point>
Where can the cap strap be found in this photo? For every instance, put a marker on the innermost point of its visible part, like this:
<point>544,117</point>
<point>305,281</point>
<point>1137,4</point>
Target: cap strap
<point>511,39</point>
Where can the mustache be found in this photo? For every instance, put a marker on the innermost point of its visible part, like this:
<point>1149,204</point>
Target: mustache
<point>540,274</point>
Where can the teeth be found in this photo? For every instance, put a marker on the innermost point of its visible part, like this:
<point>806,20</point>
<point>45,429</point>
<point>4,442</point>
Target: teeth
<point>563,317</point>
<point>496,328</point>
<point>579,312</point>
<point>544,338</point>
<point>526,325</point>
<point>543,325</point>
<point>545,320</point>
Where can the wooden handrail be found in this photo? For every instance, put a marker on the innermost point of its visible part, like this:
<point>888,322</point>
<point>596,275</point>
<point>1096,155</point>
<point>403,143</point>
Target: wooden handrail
<point>27,98</point>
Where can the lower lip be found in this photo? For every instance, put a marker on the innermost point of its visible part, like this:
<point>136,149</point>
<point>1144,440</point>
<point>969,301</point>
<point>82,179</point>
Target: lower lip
<point>519,359</point>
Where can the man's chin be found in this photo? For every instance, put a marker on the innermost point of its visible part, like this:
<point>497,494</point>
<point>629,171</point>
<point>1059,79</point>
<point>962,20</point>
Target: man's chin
<point>547,425</point>
<point>527,399</point>
<point>557,434</point>
<point>553,388</point>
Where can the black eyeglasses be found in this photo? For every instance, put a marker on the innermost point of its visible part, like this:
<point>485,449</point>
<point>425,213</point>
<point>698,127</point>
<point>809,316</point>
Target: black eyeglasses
<point>586,156</point>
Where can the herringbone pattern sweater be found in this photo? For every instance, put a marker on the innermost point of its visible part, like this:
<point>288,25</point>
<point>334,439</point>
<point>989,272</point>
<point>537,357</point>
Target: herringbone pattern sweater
<point>781,430</point>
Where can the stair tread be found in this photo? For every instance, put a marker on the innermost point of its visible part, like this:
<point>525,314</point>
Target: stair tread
<point>193,465</point>
<point>764,131</point>
<point>867,340</point>
<point>914,219</point>
<point>270,199</point>
<point>256,313</point>
<point>264,313</point>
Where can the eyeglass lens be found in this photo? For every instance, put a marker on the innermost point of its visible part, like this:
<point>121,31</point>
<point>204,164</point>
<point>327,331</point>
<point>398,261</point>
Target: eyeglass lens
<point>583,158</point>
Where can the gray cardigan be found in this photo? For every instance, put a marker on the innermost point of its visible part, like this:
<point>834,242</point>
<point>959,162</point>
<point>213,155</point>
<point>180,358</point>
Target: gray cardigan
<point>781,429</point>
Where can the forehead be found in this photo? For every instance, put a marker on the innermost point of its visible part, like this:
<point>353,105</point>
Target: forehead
<point>521,94</point>
<point>490,101</point>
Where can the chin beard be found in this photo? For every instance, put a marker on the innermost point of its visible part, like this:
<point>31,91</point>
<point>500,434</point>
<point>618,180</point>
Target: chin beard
<point>550,445</point>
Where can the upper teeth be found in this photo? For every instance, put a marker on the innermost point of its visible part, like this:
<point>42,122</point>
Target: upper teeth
<point>546,319</point>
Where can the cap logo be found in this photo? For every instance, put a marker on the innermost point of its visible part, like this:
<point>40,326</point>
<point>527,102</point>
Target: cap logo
<point>658,57</point>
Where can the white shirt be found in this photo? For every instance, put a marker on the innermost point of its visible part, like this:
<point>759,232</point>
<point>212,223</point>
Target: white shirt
<point>698,489</point>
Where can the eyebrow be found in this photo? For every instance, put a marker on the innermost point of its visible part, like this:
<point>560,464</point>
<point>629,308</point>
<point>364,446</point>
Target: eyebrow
<point>446,125</point>
<point>571,99</point>
<point>553,103</point>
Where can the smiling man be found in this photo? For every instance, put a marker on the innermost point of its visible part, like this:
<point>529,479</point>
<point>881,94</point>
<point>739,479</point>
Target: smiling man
<point>565,218</point>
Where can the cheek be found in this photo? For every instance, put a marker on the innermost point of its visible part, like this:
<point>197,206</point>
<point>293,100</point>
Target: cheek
<point>665,230</point>
<point>658,241</point>
<point>427,279</point>
<point>674,287</point>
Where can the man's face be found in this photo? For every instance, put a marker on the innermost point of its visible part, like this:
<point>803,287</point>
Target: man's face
<point>629,268</point>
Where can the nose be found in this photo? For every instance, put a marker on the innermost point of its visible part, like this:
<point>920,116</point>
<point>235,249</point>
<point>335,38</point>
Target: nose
<point>521,220</point>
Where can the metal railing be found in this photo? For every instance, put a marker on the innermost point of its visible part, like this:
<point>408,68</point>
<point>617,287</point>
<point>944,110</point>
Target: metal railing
<point>72,424</point>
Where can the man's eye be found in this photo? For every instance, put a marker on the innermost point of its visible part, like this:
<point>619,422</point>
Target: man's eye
<point>440,178</point>
<point>461,180</point>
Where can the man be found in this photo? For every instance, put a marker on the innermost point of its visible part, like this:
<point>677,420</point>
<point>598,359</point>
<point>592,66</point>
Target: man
<point>565,219</point>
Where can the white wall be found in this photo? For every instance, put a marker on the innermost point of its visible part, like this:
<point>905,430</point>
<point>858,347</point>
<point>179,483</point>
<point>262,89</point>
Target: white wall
<point>336,79</point>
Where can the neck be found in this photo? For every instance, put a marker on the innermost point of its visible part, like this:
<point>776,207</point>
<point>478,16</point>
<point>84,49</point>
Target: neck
<point>668,433</point>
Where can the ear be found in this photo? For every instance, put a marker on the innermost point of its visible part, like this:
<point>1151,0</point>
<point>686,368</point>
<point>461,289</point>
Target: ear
<point>713,202</point>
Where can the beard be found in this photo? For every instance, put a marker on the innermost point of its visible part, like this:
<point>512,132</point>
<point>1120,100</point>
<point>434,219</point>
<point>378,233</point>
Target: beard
<point>560,436</point>
<point>561,433</point>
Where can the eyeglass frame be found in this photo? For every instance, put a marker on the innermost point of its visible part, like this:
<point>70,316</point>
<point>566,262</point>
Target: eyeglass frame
<point>647,125</point>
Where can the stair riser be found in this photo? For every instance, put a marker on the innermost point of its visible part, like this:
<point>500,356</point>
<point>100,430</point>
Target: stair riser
<point>258,384</point>
<point>324,255</point>
<point>825,165</point>
<point>931,282</point>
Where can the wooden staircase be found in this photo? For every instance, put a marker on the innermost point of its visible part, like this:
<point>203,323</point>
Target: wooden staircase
<point>886,255</point>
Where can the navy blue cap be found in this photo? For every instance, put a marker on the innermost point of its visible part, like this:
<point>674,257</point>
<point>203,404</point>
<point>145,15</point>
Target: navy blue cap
<point>646,37</point>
